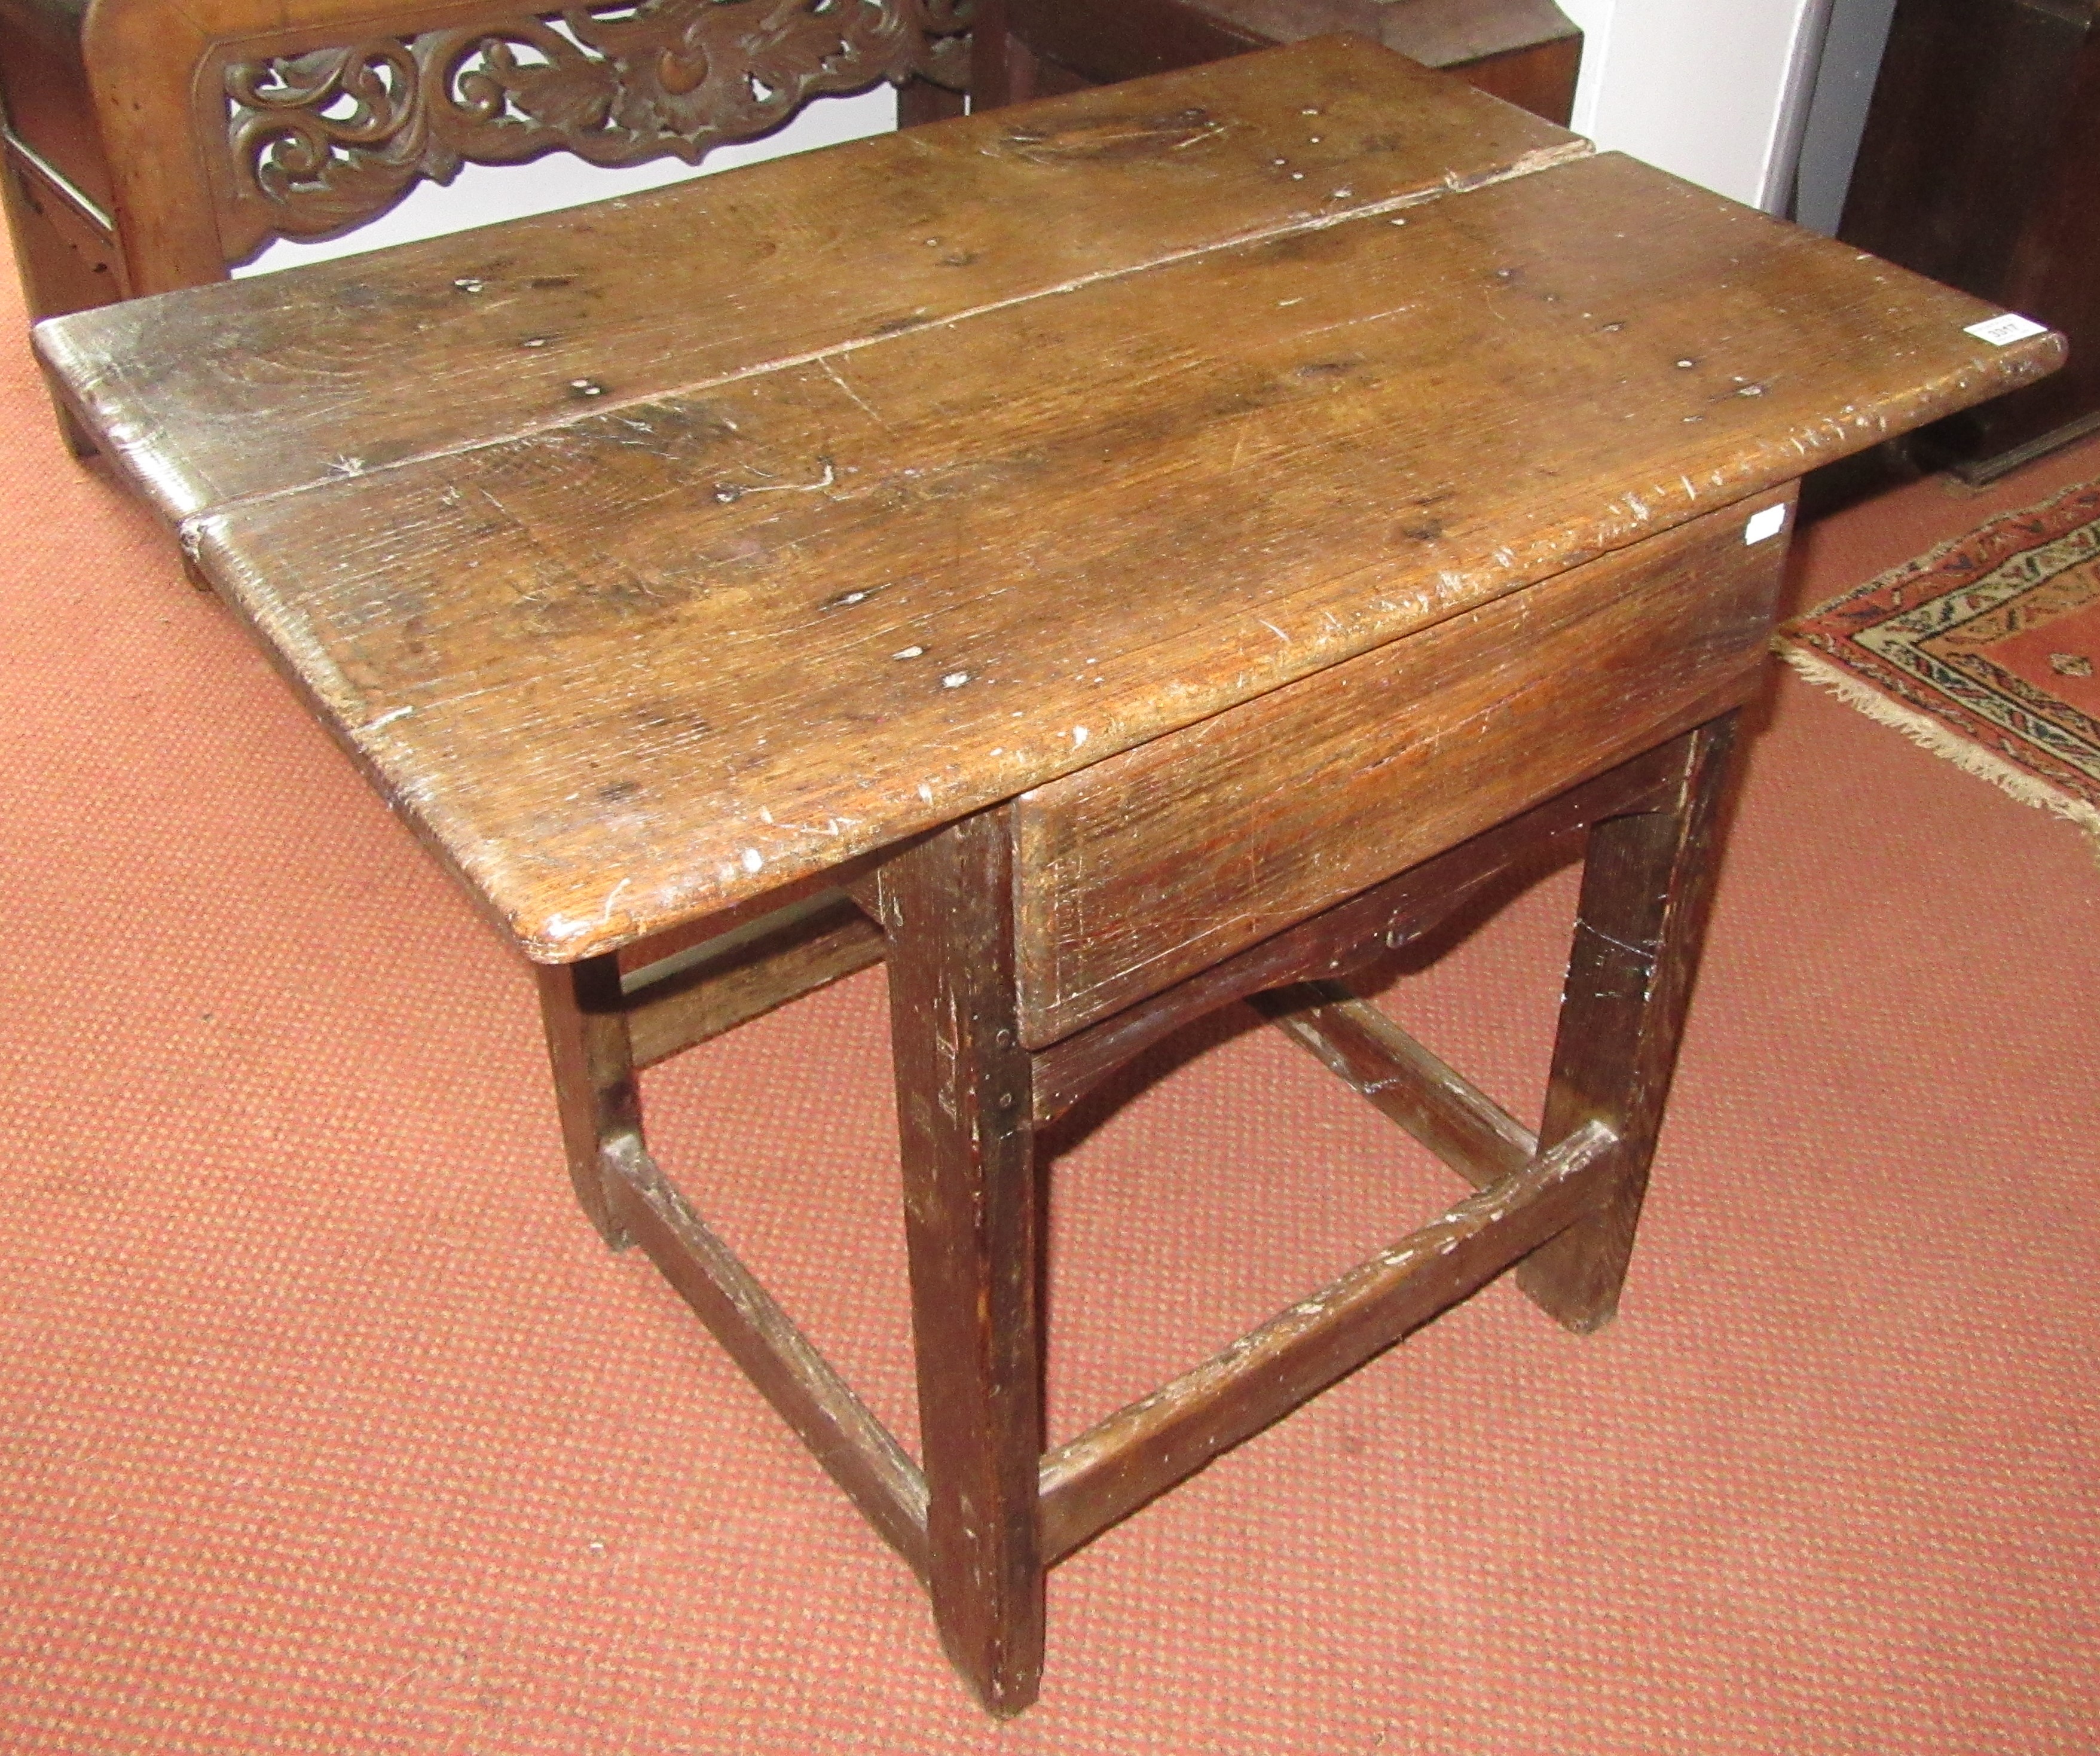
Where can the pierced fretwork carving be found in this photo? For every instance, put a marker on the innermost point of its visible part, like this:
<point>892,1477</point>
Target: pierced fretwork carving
<point>325,140</point>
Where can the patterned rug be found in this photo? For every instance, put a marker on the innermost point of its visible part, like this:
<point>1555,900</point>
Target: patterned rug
<point>1986,652</point>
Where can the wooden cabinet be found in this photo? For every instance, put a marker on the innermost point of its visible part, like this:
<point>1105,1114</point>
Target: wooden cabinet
<point>1980,166</point>
<point>1524,51</point>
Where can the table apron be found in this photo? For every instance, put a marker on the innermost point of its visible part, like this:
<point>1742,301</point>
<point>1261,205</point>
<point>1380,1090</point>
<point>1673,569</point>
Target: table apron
<point>1149,868</point>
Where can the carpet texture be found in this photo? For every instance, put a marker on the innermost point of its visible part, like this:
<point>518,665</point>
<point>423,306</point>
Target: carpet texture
<point>1986,652</point>
<point>326,1424</point>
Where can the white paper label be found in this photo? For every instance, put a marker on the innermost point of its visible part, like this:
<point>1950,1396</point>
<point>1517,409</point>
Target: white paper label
<point>1767,523</point>
<point>2010,326</point>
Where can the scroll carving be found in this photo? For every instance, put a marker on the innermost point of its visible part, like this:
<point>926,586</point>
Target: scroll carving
<point>322,141</point>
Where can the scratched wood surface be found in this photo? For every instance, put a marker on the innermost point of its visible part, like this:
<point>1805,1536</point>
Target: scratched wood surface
<point>353,365</point>
<point>1142,870</point>
<point>642,664</point>
<point>1342,940</point>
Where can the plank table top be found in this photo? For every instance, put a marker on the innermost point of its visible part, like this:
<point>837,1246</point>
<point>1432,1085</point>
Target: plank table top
<point>655,556</point>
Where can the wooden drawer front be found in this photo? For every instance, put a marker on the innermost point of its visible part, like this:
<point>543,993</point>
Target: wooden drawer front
<point>1151,865</point>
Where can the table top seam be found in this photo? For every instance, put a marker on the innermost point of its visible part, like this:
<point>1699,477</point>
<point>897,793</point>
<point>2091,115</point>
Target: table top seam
<point>1531,163</point>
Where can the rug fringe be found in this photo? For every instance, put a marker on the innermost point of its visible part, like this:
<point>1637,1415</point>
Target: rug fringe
<point>1924,730</point>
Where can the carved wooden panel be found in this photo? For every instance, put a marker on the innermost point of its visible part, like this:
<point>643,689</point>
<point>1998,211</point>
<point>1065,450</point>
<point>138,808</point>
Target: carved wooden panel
<point>322,141</point>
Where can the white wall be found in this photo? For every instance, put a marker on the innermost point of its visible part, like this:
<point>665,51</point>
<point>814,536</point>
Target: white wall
<point>1837,113</point>
<point>1712,90</point>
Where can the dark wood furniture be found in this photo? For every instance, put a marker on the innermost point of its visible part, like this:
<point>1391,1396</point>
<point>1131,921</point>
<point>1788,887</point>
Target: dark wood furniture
<point>1525,51</point>
<point>148,146</point>
<point>1980,166</point>
<point>1165,545</point>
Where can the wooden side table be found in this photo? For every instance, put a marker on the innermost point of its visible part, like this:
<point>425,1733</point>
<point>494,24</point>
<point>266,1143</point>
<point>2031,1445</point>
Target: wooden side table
<point>1162,546</point>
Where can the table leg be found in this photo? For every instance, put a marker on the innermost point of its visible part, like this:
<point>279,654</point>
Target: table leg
<point>971,1204</point>
<point>65,265</point>
<point>594,1085</point>
<point>1647,888</point>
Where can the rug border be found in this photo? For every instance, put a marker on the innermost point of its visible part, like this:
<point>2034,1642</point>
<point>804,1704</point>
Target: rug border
<point>1929,733</point>
<point>1939,552</point>
<point>1858,689</point>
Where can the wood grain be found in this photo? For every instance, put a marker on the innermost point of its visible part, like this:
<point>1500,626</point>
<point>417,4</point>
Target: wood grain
<point>1146,868</point>
<point>972,1206</point>
<point>359,363</point>
<point>149,146</point>
<point>1351,933</point>
<point>615,87</point>
<point>1640,922</point>
<point>155,119</point>
<point>1198,601</point>
<point>831,604</point>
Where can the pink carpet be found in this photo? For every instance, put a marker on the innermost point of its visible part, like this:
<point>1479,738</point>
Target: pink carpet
<point>327,1426</point>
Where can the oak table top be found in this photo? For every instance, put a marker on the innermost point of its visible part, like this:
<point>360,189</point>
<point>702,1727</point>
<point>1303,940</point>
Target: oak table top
<point>656,555</point>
